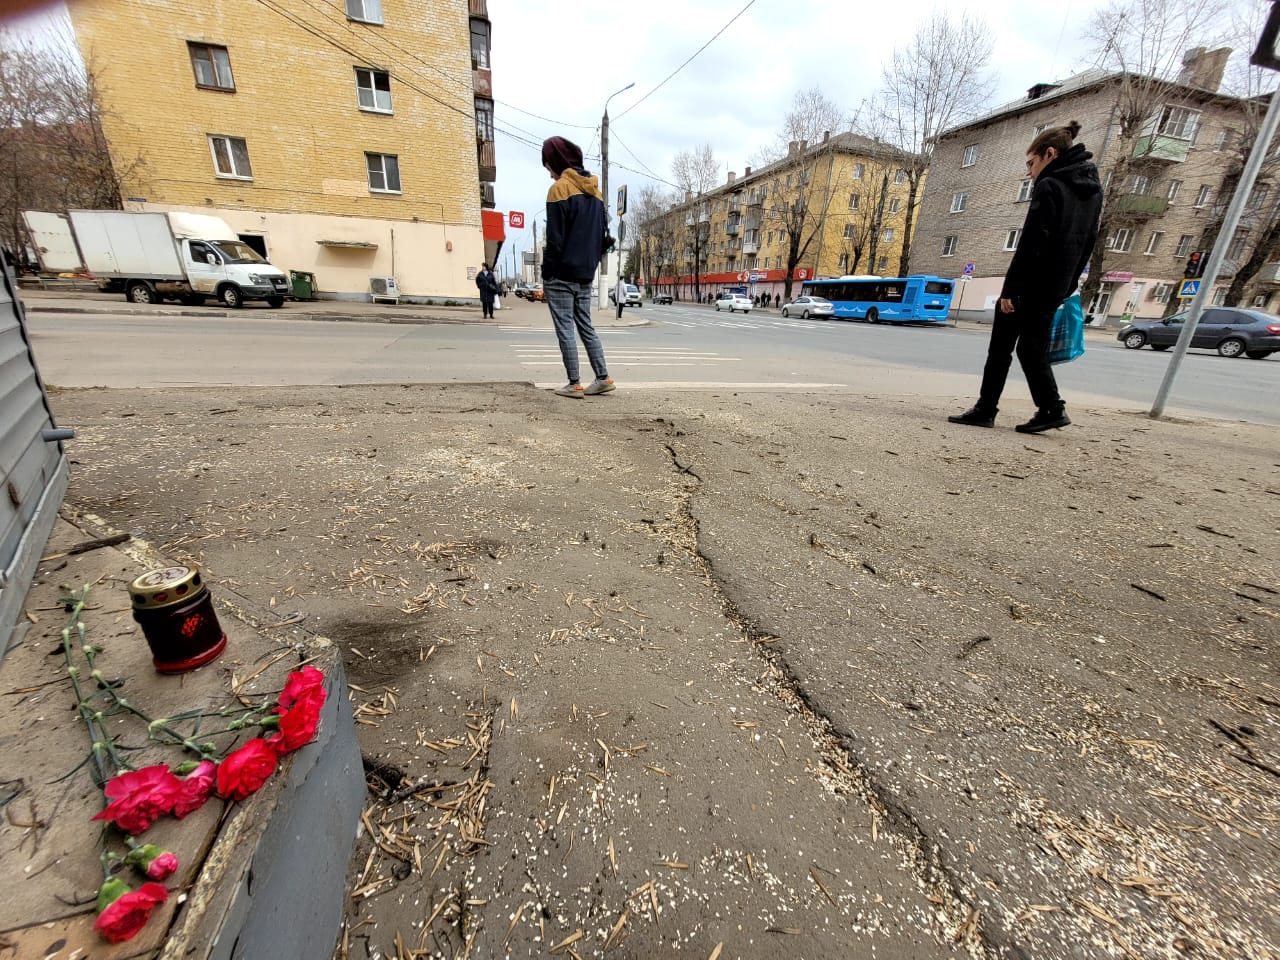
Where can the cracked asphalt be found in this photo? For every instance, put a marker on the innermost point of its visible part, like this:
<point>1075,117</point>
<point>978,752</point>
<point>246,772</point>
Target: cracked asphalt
<point>753,675</point>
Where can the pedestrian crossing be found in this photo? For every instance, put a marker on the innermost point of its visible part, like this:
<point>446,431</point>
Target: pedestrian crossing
<point>745,322</point>
<point>536,356</point>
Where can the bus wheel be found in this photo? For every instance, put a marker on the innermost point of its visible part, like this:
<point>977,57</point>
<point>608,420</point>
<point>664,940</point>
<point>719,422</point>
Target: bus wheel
<point>873,315</point>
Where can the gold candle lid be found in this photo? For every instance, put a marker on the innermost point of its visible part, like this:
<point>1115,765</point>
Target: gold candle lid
<point>165,587</point>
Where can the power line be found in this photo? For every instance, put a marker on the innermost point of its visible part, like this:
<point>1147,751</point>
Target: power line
<point>750,4</point>
<point>639,161</point>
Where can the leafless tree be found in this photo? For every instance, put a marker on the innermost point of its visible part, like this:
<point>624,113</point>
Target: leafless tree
<point>53,153</point>
<point>653,238</point>
<point>939,79</point>
<point>695,172</point>
<point>810,116</point>
<point>1143,41</point>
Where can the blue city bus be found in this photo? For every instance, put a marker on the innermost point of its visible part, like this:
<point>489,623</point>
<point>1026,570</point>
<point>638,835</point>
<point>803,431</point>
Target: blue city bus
<point>899,300</point>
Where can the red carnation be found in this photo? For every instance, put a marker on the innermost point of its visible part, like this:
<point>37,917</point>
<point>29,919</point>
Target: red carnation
<point>156,863</point>
<point>245,770</point>
<point>297,727</point>
<point>300,684</point>
<point>195,789</point>
<point>140,797</point>
<point>123,912</point>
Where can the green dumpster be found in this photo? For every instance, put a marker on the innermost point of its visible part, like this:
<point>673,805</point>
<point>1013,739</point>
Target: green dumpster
<point>303,284</point>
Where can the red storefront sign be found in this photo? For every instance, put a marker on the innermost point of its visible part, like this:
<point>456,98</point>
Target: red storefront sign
<point>493,225</point>
<point>731,279</point>
<point>516,219</point>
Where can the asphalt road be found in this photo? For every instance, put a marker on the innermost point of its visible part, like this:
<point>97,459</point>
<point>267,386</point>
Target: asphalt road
<point>679,345</point>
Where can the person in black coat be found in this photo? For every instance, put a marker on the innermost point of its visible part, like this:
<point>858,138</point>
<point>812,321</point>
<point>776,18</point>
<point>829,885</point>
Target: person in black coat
<point>1057,240</point>
<point>487,284</point>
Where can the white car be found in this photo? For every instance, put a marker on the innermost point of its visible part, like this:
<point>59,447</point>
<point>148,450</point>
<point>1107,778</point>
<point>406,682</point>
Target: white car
<point>733,302</point>
<point>633,296</point>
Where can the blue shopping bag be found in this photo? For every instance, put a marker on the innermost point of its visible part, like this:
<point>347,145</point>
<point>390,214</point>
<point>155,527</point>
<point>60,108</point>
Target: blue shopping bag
<point>1066,336</point>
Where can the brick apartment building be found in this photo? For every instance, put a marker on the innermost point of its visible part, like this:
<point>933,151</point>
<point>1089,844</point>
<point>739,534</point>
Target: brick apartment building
<point>1173,191</point>
<point>344,139</point>
<point>855,195</point>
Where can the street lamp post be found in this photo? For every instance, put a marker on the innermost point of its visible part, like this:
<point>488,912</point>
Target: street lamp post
<point>604,188</point>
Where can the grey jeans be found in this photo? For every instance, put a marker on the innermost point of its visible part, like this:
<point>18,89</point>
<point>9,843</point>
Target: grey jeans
<point>570,305</point>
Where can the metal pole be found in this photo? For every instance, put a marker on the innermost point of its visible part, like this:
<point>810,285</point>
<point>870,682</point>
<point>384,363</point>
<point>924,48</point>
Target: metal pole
<point>1232,220</point>
<point>604,189</point>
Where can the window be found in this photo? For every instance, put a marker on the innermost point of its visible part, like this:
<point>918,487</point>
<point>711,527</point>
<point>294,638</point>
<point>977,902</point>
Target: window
<point>1153,243</point>
<point>886,235</point>
<point>384,172</point>
<point>859,171</point>
<point>949,246</point>
<point>788,181</point>
<point>230,157</point>
<point>854,201</point>
<point>1179,122</point>
<point>1258,198</point>
<point>1038,129</point>
<point>1184,246</point>
<point>849,231</point>
<point>1139,184</point>
<point>1121,240</point>
<point>1223,142</point>
<point>1239,244</point>
<point>1024,190</point>
<point>484,119</point>
<point>900,176</point>
<point>881,264</point>
<point>366,11</point>
<point>1202,198</point>
<point>212,66</point>
<point>970,155</point>
<point>1219,296</point>
<point>1161,292</point>
<point>1174,187</point>
<point>1011,239</point>
<point>373,90</point>
<point>893,205</point>
<point>770,238</point>
<point>959,201</point>
<point>479,44</point>
<point>844,263</point>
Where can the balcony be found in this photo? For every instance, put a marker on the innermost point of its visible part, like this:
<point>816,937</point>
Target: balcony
<point>733,248</point>
<point>1141,206</point>
<point>750,247</point>
<point>731,228</point>
<point>1161,147</point>
<point>704,216</point>
<point>487,157</point>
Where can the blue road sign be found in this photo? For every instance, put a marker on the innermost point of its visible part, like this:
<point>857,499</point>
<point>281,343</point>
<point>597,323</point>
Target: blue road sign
<point>969,268</point>
<point>1188,289</point>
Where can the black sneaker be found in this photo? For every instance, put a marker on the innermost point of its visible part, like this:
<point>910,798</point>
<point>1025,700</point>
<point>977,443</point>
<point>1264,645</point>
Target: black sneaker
<point>1044,420</point>
<point>975,417</point>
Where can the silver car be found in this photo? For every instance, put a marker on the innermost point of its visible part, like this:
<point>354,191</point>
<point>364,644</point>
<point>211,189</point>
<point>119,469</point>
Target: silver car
<point>808,307</point>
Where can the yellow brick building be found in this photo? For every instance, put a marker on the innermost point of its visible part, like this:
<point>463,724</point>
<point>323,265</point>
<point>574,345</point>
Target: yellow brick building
<point>851,219</point>
<point>348,138</point>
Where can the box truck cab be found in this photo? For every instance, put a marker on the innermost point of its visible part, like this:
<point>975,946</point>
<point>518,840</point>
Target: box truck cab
<point>157,256</point>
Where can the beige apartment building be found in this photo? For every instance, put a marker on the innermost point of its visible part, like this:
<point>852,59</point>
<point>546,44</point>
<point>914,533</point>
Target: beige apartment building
<point>1168,206</point>
<point>350,139</point>
<point>844,197</point>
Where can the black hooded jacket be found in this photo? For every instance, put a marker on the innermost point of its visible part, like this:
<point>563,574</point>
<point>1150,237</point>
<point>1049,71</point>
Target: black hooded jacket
<point>1059,233</point>
<point>575,227</point>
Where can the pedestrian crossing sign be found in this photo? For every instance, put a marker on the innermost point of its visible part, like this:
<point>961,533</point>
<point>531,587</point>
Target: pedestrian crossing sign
<point>1188,289</point>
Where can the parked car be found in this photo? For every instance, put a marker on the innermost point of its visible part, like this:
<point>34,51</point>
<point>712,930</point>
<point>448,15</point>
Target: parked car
<point>633,296</point>
<point>733,302</point>
<point>1231,331</point>
<point>809,307</point>
<point>662,298</point>
<point>535,293</point>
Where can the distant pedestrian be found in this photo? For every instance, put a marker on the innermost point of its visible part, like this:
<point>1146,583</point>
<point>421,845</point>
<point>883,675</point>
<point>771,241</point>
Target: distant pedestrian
<point>487,284</point>
<point>777,300</point>
<point>1058,236</point>
<point>620,295</point>
<point>575,242</point>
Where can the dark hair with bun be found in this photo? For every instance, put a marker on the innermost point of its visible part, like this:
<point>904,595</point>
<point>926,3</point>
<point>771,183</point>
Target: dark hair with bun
<point>1060,138</point>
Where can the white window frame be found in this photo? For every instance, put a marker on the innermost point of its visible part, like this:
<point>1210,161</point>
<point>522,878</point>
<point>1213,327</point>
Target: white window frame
<point>371,89</point>
<point>859,171</point>
<point>1011,240</point>
<point>886,235</point>
<point>959,200</point>
<point>365,11</point>
<point>1203,196</point>
<point>894,204</point>
<point>882,262</point>
<point>1121,241</point>
<point>900,176</point>
<point>1181,123</point>
<point>1153,243</point>
<point>970,155</point>
<point>1139,184</point>
<point>1024,190</point>
<point>855,201</point>
<point>849,231</point>
<point>1184,246</point>
<point>1175,186</point>
<point>382,157</point>
<point>949,245</point>
<point>235,173</point>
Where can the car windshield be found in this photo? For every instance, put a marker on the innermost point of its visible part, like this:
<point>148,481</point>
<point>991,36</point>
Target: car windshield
<point>632,288</point>
<point>237,252</point>
<point>818,300</point>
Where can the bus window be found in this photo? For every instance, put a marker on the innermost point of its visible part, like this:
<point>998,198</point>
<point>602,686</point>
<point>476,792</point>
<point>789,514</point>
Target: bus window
<point>937,286</point>
<point>891,293</point>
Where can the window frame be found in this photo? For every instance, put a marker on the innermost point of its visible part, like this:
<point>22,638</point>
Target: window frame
<point>481,63</point>
<point>210,48</point>
<point>1025,189</point>
<point>949,244</point>
<point>230,140</point>
<point>1011,240</point>
<point>383,157</point>
<point>373,88</point>
<point>1203,196</point>
<point>855,201</point>
<point>1185,243</point>
<point>1175,187</point>
<point>859,171</point>
<point>1187,124</point>
<point>484,119</point>
<point>364,16</point>
<point>895,204</point>
<point>1121,241</point>
<point>970,156</point>
<point>1153,243</point>
<point>959,200</point>
<point>886,235</point>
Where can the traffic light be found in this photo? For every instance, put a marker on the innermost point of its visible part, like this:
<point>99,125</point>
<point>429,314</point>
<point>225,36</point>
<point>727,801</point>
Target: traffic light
<point>1195,265</point>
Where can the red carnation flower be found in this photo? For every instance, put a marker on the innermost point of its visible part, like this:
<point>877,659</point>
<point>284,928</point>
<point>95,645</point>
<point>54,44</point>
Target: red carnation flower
<point>139,798</point>
<point>245,770</point>
<point>195,789</point>
<point>300,684</point>
<point>123,912</point>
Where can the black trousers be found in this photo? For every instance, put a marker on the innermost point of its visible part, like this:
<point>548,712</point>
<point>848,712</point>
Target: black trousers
<point>1025,331</point>
<point>486,306</point>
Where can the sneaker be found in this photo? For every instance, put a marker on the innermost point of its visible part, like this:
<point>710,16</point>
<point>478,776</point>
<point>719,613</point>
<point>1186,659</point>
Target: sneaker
<point>1044,420</point>
<point>600,385</point>
<point>975,417</point>
<point>571,390</point>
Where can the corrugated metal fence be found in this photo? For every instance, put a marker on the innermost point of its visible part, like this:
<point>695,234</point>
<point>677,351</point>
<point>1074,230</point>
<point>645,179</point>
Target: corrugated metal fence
<point>33,468</point>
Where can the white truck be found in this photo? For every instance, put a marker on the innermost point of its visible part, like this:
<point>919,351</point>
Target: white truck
<point>158,256</point>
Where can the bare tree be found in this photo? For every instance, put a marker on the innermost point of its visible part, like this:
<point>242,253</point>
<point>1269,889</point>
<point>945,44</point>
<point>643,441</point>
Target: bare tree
<point>1144,42</point>
<point>810,116</point>
<point>938,80</point>
<point>695,172</point>
<point>651,238</point>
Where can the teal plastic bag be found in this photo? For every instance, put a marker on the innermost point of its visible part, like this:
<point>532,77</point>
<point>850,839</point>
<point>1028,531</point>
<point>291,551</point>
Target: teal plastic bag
<point>1066,336</point>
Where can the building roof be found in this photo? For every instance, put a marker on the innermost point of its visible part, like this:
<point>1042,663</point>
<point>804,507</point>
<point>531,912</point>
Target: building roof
<point>1048,93</point>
